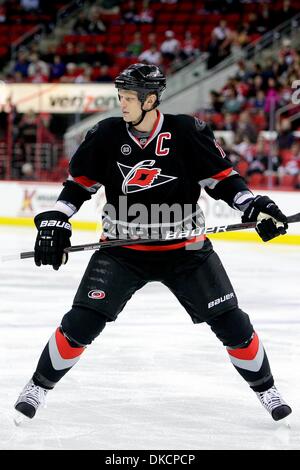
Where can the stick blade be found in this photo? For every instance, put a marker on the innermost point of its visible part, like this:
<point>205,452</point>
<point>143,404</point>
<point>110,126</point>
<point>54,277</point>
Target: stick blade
<point>5,258</point>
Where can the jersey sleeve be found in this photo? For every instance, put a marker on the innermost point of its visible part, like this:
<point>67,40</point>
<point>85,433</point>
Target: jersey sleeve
<point>88,164</point>
<point>210,164</point>
<point>87,169</point>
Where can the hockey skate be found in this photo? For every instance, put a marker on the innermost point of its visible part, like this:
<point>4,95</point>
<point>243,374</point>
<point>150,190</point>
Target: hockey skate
<point>274,404</point>
<point>31,398</point>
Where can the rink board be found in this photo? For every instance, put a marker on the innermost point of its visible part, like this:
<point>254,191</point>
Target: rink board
<point>20,201</point>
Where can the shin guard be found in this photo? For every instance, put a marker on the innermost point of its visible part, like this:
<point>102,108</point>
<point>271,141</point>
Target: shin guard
<point>59,356</point>
<point>251,361</point>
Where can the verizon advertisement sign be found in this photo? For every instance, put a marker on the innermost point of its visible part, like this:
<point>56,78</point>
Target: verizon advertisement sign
<point>60,98</point>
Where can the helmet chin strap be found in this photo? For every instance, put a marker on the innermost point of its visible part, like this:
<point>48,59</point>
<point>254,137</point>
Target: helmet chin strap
<point>140,120</point>
<point>142,116</point>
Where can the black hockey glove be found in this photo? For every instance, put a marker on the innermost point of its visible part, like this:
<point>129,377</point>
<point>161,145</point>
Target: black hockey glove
<point>54,232</point>
<point>271,222</point>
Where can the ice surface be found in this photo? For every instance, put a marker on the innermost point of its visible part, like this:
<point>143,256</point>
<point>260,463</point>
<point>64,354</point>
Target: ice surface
<point>152,380</point>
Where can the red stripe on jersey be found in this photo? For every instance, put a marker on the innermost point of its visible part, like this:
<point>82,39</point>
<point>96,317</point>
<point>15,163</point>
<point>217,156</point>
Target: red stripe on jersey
<point>151,134</point>
<point>65,350</point>
<point>247,353</point>
<point>222,175</point>
<point>154,127</point>
<point>174,246</point>
<point>85,181</point>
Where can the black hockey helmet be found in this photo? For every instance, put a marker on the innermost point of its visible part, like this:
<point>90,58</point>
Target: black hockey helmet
<point>144,79</point>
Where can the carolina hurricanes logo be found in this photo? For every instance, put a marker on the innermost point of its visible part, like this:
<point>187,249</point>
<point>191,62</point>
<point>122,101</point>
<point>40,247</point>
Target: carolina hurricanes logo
<point>142,176</point>
<point>96,294</point>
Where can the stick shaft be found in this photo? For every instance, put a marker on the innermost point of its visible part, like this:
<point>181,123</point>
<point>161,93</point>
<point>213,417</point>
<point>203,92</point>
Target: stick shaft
<point>111,243</point>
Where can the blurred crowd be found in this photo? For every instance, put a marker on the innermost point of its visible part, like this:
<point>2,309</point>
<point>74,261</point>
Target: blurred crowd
<point>83,59</point>
<point>259,98</point>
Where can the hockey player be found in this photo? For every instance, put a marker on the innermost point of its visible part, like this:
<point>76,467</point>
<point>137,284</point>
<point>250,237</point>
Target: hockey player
<point>150,158</point>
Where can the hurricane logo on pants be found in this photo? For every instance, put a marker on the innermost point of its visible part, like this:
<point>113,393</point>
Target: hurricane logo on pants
<point>96,294</point>
<point>142,176</point>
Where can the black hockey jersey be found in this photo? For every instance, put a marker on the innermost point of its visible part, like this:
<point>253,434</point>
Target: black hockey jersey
<point>179,157</point>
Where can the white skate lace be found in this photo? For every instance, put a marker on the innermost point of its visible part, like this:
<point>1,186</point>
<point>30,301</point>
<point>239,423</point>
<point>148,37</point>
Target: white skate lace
<point>33,395</point>
<point>270,399</point>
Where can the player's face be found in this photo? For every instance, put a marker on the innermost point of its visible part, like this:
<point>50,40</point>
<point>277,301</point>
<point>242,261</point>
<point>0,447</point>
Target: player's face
<point>130,105</point>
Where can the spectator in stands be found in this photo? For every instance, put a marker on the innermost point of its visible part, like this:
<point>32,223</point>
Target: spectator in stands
<point>170,47</point>
<point>85,75</point>
<point>27,132</point>
<point>50,53</point>
<point>242,71</point>
<point>241,87</point>
<point>37,68</point>
<point>239,39</point>
<point>216,101</point>
<point>245,128</point>
<point>285,136</point>
<point>82,57</point>
<point>278,69</point>
<point>39,76</point>
<point>265,19</point>
<point>145,16</point>
<point>256,84</point>
<point>233,102</point>
<point>104,76</point>
<point>258,101</point>
<point>259,162</point>
<point>27,127</point>
<point>70,53</point>
<point>100,56</point>
<point>219,48</point>
<point>267,71</point>
<point>130,12</point>
<point>95,24</point>
<point>244,148</point>
<point>81,25</point>
<point>253,24</point>
<point>151,56</point>
<point>272,97</point>
<point>287,52</point>
<point>229,122</point>
<point>58,68</point>
<point>286,92</point>
<point>188,50</point>
<point>135,47</point>
<point>291,166</point>
<point>273,159</point>
<point>22,63</point>
<point>70,73</point>
<point>151,39</point>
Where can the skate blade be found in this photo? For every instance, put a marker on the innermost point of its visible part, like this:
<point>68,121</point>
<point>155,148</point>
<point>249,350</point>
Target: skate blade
<point>284,423</point>
<point>19,418</point>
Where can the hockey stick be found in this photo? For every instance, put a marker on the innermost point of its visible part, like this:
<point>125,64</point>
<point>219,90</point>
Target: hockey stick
<point>111,243</point>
